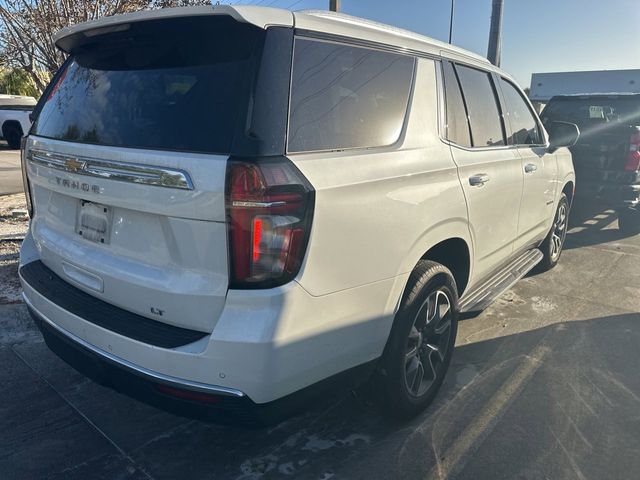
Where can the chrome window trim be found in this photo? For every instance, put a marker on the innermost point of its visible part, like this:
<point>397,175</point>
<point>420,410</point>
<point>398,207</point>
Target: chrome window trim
<point>114,170</point>
<point>442,104</point>
<point>136,369</point>
<point>442,125</point>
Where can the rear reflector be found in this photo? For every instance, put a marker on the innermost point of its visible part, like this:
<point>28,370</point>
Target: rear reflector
<point>633,158</point>
<point>199,397</point>
<point>269,208</point>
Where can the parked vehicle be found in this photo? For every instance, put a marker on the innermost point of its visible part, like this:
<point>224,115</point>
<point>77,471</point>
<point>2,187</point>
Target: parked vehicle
<point>607,155</point>
<point>230,212</point>
<point>14,118</point>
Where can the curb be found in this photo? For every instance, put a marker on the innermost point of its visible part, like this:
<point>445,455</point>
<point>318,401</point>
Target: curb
<point>12,238</point>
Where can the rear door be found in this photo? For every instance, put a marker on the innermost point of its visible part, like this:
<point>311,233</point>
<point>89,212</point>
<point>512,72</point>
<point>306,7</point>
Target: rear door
<point>540,168</point>
<point>127,162</point>
<point>489,171</point>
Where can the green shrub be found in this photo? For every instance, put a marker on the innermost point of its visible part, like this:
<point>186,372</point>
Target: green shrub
<point>17,82</point>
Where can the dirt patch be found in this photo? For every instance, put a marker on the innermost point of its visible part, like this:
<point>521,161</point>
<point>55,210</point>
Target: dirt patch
<point>9,284</point>
<point>11,223</point>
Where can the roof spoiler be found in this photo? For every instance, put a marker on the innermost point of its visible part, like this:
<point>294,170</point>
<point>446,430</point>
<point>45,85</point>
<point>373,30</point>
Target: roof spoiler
<point>261,17</point>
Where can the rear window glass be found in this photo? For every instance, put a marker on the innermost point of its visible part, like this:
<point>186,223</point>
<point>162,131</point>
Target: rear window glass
<point>344,96</point>
<point>176,85</point>
<point>482,107</point>
<point>593,111</point>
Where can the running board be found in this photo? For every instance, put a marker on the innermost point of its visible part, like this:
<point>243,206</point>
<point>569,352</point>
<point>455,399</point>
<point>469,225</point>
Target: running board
<point>480,298</point>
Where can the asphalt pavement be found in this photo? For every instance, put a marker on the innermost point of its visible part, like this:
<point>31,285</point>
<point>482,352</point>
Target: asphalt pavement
<point>10,174</point>
<point>545,384</point>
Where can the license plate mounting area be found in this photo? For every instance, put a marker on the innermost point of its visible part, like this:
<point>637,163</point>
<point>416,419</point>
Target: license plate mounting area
<point>93,222</point>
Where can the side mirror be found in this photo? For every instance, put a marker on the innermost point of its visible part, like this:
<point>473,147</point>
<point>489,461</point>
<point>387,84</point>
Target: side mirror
<point>562,134</point>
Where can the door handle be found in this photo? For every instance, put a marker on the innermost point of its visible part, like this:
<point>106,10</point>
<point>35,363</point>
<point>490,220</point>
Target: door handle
<point>530,168</point>
<point>478,180</point>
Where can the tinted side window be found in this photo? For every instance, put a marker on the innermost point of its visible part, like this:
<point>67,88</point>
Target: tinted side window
<point>480,98</point>
<point>457,123</point>
<point>524,126</point>
<point>344,96</point>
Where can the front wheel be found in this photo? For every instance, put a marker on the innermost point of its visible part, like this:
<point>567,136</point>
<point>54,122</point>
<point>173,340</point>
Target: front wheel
<point>422,339</point>
<point>552,246</point>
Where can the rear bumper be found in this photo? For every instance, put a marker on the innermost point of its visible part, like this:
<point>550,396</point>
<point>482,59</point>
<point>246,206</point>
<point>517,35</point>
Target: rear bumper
<point>185,398</point>
<point>215,403</point>
<point>266,345</point>
<point>618,196</point>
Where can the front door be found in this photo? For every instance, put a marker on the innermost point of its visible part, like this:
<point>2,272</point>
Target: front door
<point>538,194</point>
<point>539,168</point>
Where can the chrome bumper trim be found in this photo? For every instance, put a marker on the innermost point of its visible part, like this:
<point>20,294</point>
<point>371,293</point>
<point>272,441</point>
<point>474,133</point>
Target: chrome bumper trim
<point>122,171</point>
<point>141,371</point>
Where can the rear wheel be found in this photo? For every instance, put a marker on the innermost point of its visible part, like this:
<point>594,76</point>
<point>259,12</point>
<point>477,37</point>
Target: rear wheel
<point>12,134</point>
<point>552,246</point>
<point>422,340</point>
<point>629,222</point>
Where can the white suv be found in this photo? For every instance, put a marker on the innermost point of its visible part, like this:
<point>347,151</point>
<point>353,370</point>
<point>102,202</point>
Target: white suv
<point>233,204</point>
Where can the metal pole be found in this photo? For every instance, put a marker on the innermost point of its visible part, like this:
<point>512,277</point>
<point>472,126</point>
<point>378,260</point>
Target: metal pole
<point>495,32</point>
<point>334,5</point>
<point>453,7</point>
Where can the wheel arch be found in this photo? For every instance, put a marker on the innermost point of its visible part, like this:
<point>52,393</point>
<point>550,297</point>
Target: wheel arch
<point>449,244</point>
<point>569,189</point>
<point>11,123</point>
<point>453,253</point>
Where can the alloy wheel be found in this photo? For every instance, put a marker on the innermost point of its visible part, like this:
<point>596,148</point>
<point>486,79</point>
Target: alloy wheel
<point>428,344</point>
<point>559,231</point>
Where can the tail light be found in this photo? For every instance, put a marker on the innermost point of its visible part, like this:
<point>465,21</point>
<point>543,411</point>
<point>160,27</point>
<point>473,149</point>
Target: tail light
<point>25,179</point>
<point>269,207</point>
<point>633,159</point>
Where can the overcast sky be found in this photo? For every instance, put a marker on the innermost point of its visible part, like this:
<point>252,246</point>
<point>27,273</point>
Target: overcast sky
<point>538,35</point>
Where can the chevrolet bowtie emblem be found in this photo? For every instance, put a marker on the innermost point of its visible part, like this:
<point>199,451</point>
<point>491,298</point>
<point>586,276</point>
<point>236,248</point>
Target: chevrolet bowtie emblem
<point>74,165</point>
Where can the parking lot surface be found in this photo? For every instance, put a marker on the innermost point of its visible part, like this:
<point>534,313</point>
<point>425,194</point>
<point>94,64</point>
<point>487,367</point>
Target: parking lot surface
<point>543,384</point>
<point>10,175</point>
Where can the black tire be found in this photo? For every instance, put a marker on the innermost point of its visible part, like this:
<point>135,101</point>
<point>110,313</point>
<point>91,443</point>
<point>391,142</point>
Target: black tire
<point>429,332</point>
<point>552,246</point>
<point>629,222</point>
<point>13,135</point>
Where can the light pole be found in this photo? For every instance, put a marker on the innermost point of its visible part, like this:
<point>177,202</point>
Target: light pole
<point>453,7</point>
<point>495,32</point>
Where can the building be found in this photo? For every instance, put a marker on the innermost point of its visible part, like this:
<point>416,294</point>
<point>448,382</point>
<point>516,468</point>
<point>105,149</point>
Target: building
<point>546,85</point>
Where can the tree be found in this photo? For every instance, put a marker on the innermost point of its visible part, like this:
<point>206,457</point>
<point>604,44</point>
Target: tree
<point>17,82</point>
<point>27,28</point>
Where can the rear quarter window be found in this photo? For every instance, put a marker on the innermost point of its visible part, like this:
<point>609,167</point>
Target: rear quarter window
<point>344,96</point>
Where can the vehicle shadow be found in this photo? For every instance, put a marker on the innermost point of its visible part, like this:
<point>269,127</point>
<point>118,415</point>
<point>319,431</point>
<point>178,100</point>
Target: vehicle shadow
<point>515,406</point>
<point>592,223</point>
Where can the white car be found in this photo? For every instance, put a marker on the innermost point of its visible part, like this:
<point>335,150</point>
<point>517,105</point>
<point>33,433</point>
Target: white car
<point>15,121</point>
<point>234,207</point>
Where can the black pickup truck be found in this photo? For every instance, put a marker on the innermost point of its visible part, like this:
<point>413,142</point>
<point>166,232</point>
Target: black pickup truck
<point>607,155</point>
